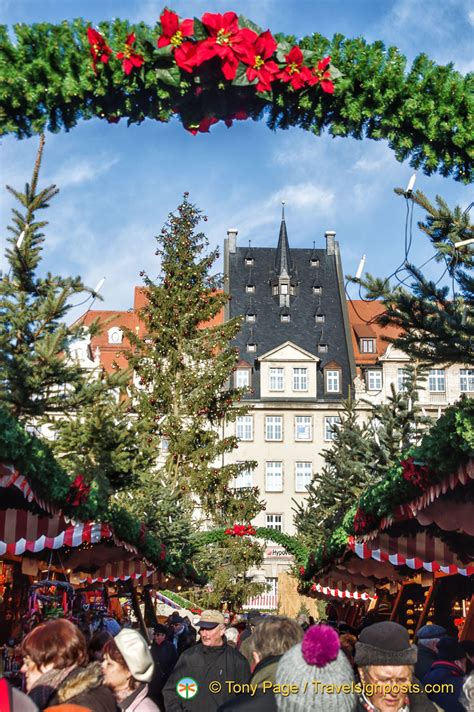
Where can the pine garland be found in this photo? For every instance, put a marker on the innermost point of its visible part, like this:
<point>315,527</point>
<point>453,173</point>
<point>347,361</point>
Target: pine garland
<point>53,75</point>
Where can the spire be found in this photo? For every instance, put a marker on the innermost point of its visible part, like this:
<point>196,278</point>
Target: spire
<point>283,258</point>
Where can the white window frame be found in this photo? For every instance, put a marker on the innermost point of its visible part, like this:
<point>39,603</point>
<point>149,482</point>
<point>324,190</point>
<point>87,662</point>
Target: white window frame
<point>284,289</point>
<point>250,318</point>
<point>466,380</point>
<point>322,348</point>
<point>333,379</point>
<point>242,377</point>
<point>244,427</point>
<point>285,318</point>
<point>303,475</point>
<point>437,380</point>
<point>367,345</point>
<point>244,479</point>
<point>272,582</point>
<point>115,335</point>
<point>273,476</point>
<point>272,523</point>
<point>249,261</point>
<point>273,427</point>
<point>374,379</point>
<point>319,318</point>
<point>250,288</point>
<point>329,432</point>
<point>317,290</point>
<point>300,378</point>
<point>403,376</point>
<point>303,422</point>
<point>251,347</point>
<point>276,381</point>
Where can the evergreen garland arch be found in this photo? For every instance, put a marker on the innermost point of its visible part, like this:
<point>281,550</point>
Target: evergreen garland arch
<point>221,67</point>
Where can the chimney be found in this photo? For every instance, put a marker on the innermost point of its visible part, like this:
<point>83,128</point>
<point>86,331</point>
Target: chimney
<point>232,238</point>
<point>330,242</point>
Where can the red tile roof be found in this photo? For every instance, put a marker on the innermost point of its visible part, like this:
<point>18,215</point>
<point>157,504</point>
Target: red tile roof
<point>363,320</point>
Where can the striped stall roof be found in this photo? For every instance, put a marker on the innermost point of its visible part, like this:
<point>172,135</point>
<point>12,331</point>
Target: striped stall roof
<point>120,571</point>
<point>337,592</point>
<point>10,477</point>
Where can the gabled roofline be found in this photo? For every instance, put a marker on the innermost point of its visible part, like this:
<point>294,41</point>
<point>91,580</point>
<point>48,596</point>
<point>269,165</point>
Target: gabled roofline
<point>294,346</point>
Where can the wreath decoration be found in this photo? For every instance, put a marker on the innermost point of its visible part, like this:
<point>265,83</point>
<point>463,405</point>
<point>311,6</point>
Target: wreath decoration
<point>222,67</point>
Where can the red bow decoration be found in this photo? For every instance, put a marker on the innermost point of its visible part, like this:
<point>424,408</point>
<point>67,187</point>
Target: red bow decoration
<point>240,530</point>
<point>78,491</point>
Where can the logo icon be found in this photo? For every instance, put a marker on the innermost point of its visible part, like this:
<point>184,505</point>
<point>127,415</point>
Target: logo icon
<point>187,688</point>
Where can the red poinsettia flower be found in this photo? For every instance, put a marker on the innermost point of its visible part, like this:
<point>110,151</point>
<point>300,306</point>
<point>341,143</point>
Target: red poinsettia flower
<point>226,41</point>
<point>202,127</point>
<point>322,75</point>
<point>78,491</point>
<point>418,475</point>
<point>99,48</point>
<point>174,33</point>
<point>130,59</point>
<point>295,73</point>
<point>262,67</point>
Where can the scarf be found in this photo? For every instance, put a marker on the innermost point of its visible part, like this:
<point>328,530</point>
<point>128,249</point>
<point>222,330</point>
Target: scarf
<point>47,685</point>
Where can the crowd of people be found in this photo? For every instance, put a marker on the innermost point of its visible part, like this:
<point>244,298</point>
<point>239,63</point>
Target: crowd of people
<point>265,663</point>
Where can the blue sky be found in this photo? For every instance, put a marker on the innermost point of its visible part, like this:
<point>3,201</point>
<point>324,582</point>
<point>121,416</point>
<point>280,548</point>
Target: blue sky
<point>118,184</point>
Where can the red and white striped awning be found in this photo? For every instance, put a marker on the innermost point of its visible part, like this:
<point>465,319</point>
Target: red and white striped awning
<point>22,531</point>
<point>120,571</point>
<point>416,552</point>
<point>342,592</point>
<point>10,477</point>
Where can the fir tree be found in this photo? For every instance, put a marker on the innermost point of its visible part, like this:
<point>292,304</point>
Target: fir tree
<point>437,323</point>
<point>35,376</point>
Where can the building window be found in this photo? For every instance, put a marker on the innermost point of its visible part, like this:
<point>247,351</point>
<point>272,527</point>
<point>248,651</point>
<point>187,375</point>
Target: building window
<point>330,421</point>
<point>244,427</point>
<point>276,379</point>
<point>303,427</point>
<point>272,582</point>
<point>314,263</point>
<point>322,348</point>
<point>274,521</point>
<point>250,288</point>
<point>374,379</point>
<point>300,379</point>
<point>333,380</point>
<point>466,380</point>
<point>303,475</point>
<point>115,335</point>
<point>249,261</point>
<point>251,347</point>
<point>283,289</point>
<point>317,289</point>
<point>275,290</point>
<point>250,318</point>
<point>273,427</point>
<point>437,380</point>
<point>165,444</point>
<point>403,377</point>
<point>243,479</point>
<point>242,378</point>
<point>274,476</point>
<point>292,290</point>
<point>367,346</point>
<point>319,318</point>
<point>284,317</point>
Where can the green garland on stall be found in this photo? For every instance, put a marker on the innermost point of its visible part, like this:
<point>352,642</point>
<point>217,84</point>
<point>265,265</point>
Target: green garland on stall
<point>181,601</point>
<point>291,544</point>
<point>447,445</point>
<point>48,79</point>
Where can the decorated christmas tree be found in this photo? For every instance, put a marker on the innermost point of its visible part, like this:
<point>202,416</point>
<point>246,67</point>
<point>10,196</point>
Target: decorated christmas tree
<point>436,322</point>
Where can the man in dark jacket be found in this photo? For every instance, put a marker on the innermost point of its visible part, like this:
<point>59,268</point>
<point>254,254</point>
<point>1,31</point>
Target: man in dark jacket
<point>449,669</point>
<point>213,667</point>
<point>164,656</point>
<point>270,640</point>
<point>427,639</point>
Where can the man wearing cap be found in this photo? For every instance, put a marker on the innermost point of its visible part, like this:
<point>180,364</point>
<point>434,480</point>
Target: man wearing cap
<point>449,669</point>
<point>386,659</point>
<point>210,661</point>
<point>427,638</point>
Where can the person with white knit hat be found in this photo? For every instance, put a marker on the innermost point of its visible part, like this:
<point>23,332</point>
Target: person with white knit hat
<point>317,659</point>
<point>128,667</point>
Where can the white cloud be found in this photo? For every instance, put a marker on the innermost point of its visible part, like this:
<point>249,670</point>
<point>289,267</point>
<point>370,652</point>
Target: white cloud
<point>75,172</point>
<point>470,17</point>
<point>304,195</point>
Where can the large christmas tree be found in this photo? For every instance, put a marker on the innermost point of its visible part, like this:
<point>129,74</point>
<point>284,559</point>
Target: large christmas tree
<point>436,322</point>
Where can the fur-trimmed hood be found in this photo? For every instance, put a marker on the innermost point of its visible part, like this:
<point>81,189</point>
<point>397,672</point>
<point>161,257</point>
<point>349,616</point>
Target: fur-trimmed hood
<point>79,681</point>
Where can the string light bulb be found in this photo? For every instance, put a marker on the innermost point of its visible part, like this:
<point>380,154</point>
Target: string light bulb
<point>410,186</point>
<point>98,287</point>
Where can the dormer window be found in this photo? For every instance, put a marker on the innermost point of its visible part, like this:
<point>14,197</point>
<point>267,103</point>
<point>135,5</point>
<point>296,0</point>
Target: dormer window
<point>367,346</point>
<point>115,335</point>
<point>250,317</point>
<point>249,261</point>
<point>314,262</point>
<point>322,348</point>
<point>275,290</point>
<point>250,288</point>
<point>251,347</point>
<point>283,289</point>
<point>292,290</point>
<point>317,289</point>
<point>319,318</point>
<point>285,318</point>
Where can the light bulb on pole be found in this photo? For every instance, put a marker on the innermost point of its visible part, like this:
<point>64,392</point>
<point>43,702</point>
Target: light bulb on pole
<point>98,287</point>
<point>21,237</point>
<point>410,186</point>
<point>360,269</point>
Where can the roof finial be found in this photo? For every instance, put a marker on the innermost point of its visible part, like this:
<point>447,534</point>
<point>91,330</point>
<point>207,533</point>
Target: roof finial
<point>282,209</point>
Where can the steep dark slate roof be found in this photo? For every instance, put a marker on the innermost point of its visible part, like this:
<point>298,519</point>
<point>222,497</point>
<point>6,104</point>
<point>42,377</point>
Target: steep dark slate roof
<point>269,331</point>
<point>283,263</point>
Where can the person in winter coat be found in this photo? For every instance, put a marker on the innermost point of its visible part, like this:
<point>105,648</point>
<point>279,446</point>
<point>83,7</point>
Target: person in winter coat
<point>210,661</point>
<point>12,700</point>
<point>450,669</point>
<point>427,639</point>
<point>57,670</point>
<point>67,708</point>
<point>386,659</point>
<point>164,656</point>
<point>128,667</point>
<point>318,658</point>
<point>270,641</point>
